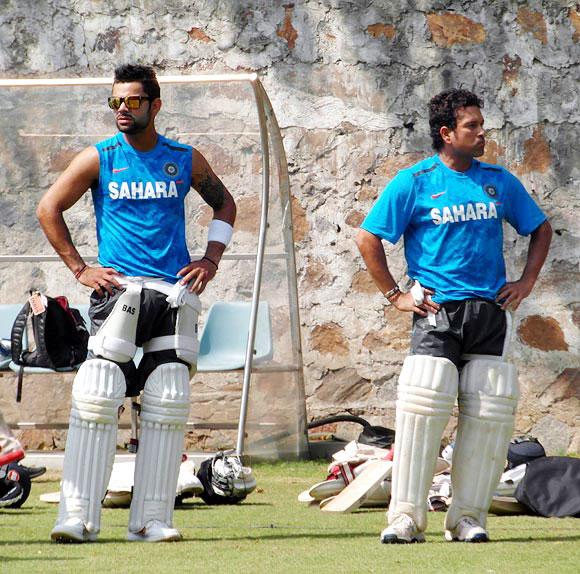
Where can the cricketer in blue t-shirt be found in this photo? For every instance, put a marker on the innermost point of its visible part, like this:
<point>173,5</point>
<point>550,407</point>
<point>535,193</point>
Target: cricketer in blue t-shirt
<point>451,222</point>
<point>449,209</point>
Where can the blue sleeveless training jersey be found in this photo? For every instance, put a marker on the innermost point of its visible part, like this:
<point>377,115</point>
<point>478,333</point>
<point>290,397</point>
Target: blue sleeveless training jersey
<point>139,207</point>
<point>452,225</point>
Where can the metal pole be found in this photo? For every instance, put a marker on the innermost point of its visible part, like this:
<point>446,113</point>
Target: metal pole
<point>198,79</point>
<point>259,265</point>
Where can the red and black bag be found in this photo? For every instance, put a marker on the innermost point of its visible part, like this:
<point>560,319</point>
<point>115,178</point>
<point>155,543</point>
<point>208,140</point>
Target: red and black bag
<point>59,336</point>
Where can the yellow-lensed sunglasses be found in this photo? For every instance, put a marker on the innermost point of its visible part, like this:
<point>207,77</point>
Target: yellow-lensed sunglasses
<point>131,102</point>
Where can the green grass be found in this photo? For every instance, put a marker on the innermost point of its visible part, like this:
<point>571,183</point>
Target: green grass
<point>272,532</point>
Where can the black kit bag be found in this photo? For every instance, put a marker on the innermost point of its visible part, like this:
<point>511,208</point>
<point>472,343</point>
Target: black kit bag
<point>551,486</point>
<point>59,334</point>
<point>375,435</point>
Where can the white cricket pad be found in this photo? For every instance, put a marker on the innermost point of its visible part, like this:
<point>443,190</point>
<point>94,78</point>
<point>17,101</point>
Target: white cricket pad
<point>426,395</point>
<point>184,341</point>
<point>115,339</point>
<point>488,396</point>
<point>164,413</point>
<point>98,392</point>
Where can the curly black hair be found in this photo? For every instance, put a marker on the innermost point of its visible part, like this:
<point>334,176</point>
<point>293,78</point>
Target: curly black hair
<point>443,111</point>
<point>137,73</point>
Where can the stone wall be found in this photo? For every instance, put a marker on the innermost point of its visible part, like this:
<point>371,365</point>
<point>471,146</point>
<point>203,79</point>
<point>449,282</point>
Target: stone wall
<point>350,81</point>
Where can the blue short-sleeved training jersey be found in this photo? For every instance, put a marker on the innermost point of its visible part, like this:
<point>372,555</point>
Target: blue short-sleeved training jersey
<point>452,225</point>
<point>139,207</point>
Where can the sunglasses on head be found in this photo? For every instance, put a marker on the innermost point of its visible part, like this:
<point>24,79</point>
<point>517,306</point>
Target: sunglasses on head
<point>131,102</point>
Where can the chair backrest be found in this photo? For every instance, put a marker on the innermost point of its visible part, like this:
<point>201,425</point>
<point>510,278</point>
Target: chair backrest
<point>224,338</point>
<point>7,315</point>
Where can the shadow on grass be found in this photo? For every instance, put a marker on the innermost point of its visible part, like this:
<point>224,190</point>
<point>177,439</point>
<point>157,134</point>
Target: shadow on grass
<point>341,535</point>
<point>290,536</point>
<point>19,511</point>
<point>439,539</point>
<point>49,542</point>
<point>197,506</point>
<point>338,534</point>
<point>4,559</point>
<point>540,539</point>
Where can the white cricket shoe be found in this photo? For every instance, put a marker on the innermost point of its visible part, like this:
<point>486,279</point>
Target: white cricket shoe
<point>402,530</point>
<point>467,530</point>
<point>155,531</point>
<point>73,531</point>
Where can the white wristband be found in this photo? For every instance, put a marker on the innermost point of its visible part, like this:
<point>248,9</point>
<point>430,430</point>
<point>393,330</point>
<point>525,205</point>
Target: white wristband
<point>220,231</point>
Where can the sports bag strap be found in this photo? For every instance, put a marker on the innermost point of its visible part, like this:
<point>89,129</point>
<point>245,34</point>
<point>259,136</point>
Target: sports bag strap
<point>17,333</point>
<point>39,327</point>
<point>19,384</point>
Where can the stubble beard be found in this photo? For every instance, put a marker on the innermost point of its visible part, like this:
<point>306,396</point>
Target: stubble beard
<point>137,125</point>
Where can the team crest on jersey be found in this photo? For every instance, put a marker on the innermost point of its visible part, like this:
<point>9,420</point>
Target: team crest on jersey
<point>490,190</point>
<point>171,169</point>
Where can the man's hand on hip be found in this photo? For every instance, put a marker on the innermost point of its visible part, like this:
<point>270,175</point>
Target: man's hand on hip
<point>512,294</point>
<point>406,302</point>
<point>198,274</point>
<point>100,279</point>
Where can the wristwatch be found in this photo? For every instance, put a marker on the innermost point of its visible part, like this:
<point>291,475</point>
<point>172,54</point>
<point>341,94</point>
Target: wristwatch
<point>394,291</point>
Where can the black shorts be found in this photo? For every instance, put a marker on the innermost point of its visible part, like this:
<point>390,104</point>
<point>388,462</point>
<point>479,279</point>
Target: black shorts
<point>156,319</point>
<point>463,330</point>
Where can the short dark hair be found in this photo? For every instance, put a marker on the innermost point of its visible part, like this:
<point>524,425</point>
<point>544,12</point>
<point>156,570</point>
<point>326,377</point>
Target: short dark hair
<point>443,111</point>
<point>137,73</point>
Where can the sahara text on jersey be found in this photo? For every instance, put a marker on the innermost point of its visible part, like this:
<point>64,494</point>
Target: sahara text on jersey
<point>141,190</point>
<point>468,212</point>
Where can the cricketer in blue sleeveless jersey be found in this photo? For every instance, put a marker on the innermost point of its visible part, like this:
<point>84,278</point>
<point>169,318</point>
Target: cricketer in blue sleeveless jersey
<point>139,206</point>
<point>450,209</point>
<point>145,295</point>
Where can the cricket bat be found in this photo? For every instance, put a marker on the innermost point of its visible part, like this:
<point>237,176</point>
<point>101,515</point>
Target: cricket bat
<point>324,502</point>
<point>326,488</point>
<point>305,497</point>
<point>353,495</point>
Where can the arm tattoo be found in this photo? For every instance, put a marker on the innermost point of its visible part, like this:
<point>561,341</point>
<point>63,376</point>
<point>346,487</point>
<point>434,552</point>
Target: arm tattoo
<point>212,190</point>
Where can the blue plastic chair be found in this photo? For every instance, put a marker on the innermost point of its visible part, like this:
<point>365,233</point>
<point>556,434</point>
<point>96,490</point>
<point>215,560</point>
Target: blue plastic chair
<point>225,336</point>
<point>7,316</point>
